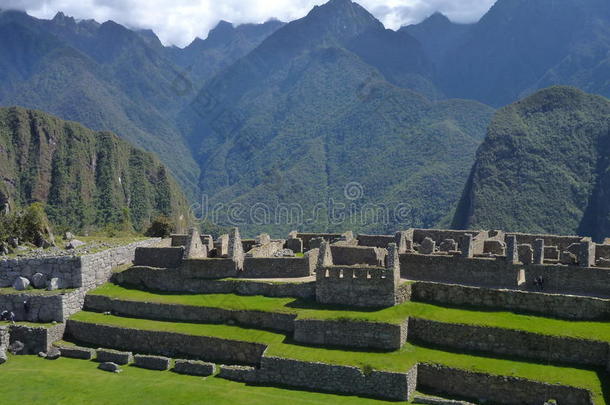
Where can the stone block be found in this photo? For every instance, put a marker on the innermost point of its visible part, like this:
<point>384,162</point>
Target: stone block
<point>77,352</point>
<point>448,245</point>
<point>193,367</point>
<point>152,362</point>
<point>512,250</point>
<point>53,284</point>
<point>427,247</point>
<point>39,281</point>
<point>21,284</point>
<point>467,245</point>
<point>586,254</point>
<point>114,356</point>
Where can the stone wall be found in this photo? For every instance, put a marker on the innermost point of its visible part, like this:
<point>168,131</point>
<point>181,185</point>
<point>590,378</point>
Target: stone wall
<point>562,242</point>
<point>167,257</point>
<point>356,286</point>
<point>328,378</point>
<point>498,273</point>
<point>85,271</point>
<point>181,280</point>
<point>186,313</point>
<point>277,267</point>
<point>43,307</point>
<point>167,343</point>
<point>307,237</point>
<point>509,342</point>
<point>345,333</point>
<point>4,338</point>
<point>376,240</point>
<point>351,255</point>
<point>496,389</point>
<point>36,338</point>
<point>562,306</point>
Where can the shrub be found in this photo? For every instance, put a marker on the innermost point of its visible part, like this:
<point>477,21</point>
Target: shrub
<point>161,227</point>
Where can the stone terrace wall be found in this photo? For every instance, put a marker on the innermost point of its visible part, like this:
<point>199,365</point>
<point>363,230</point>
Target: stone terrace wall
<point>159,256</point>
<point>562,242</point>
<point>376,240</point>
<point>186,313</point>
<point>497,273</point>
<point>167,343</point>
<point>562,306</point>
<point>497,389</point>
<point>43,308</point>
<point>36,338</point>
<point>351,255</point>
<point>382,336</point>
<point>352,286</point>
<point>177,280</point>
<point>277,267</point>
<point>509,342</point>
<point>72,271</point>
<point>337,379</point>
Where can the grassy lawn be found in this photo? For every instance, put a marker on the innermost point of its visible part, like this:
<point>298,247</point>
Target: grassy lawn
<point>31,380</point>
<point>311,310</point>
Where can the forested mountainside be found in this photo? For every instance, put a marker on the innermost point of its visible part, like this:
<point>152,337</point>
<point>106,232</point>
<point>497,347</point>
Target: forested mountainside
<point>313,109</point>
<point>291,113</point>
<point>86,179</point>
<point>543,167</point>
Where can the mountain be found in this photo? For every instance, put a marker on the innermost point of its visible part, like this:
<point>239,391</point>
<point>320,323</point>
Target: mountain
<point>319,106</point>
<point>101,75</point>
<point>438,36</point>
<point>224,45</point>
<point>544,167</point>
<point>520,46</point>
<point>85,178</point>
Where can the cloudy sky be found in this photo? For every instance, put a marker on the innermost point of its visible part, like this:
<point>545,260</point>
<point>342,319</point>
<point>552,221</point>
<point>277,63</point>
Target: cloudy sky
<point>178,22</point>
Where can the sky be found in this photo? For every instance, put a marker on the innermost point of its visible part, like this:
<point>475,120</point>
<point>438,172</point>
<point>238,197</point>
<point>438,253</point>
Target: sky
<point>178,22</point>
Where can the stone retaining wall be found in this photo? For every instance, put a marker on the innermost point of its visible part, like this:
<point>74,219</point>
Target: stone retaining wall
<point>278,267</point>
<point>43,308</point>
<point>509,342</point>
<point>36,338</point>
<point>166,257</point>
<point>328,378</point>
<point>384,336</point>
<point>562,306</point>
<point>86,271</point>
<point>186,313</point>
<point>497,389</point>
<point>498,273</point>
<point>179,280</point>
<point>168,344</point>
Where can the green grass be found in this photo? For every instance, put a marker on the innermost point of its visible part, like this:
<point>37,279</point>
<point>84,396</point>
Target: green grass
<point>195,329</point>
<point>33,291</point>
<point>68,382</point>
<point>397,314</point>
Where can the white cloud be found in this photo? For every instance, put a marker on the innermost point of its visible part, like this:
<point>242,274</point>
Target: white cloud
<point>180,21</point>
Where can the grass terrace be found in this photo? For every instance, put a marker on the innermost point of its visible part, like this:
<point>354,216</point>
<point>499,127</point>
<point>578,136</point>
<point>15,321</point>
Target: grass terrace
<point>311,310</point>
<point>400,360</point>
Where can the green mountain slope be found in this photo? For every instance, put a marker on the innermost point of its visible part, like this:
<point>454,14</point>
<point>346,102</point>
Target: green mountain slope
<point>86,178</point>
<point>543,167</point>
<point>309,112</point>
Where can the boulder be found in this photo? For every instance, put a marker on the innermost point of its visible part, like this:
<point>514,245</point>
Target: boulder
<point>427,247</point>
<point>53,353</point>
<point>110,367</point>
<point>53,284</point>
<point>16,347</point>
<point>3,356</point>
<point>39,281</point>
<point>4,249</point>
<point>68,236</point>
<point>14,242</point>
<point>74,244</point>
<point>21,284</point>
